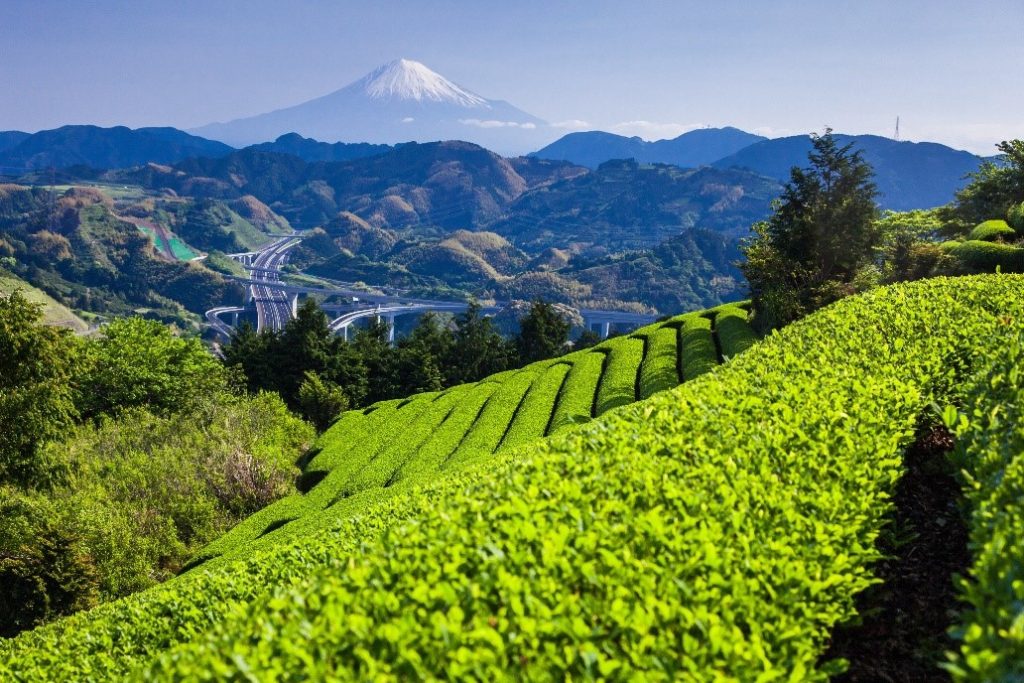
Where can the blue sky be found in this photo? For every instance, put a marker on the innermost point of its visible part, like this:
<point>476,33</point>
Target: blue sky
<point>953,71</point>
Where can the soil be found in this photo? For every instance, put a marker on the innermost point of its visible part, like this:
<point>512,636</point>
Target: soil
<point>903,632</point>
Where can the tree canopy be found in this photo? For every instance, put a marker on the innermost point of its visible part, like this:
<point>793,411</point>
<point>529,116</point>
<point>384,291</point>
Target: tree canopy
<point>820,237</point>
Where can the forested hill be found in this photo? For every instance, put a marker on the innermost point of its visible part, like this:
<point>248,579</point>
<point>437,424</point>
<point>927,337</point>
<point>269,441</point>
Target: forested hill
<point>458,185</point>
<point>313,150</point>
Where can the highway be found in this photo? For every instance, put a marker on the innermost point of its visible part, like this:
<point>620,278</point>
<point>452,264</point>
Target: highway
<point>273,308</point>
<point>342,323</point>
<point>272,298</point>
<point>213,318</point>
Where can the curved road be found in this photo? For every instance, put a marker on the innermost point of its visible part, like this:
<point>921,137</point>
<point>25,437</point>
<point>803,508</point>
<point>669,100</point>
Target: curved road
<point>273,308</point>
<point>342,323</point>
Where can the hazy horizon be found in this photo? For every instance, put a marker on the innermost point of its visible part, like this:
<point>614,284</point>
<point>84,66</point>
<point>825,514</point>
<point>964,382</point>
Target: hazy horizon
<point>952,75</point>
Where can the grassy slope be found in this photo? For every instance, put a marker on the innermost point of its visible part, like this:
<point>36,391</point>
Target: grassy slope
<point>54,312</point>
<point>720,529</point>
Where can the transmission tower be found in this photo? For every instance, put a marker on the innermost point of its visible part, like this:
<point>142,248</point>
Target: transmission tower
<point>896,137</point>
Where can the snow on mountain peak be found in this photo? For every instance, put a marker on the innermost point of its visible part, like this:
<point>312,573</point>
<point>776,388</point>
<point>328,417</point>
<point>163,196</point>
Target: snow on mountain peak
<point>408,80</point>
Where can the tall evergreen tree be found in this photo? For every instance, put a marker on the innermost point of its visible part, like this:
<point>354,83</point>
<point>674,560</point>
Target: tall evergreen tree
<point>478,350</point>
<point>543,333</point>
<point>820,236</point>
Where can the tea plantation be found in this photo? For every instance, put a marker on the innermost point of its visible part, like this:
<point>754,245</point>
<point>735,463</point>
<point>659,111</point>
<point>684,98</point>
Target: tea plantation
<point>715,531</point>
<point>372,454</point>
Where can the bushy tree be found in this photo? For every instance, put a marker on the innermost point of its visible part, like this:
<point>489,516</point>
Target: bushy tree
<point>45,572</point>
<point>821,236</point>
<point>994,191</point>
<point>37,380</point>
<point>272,361</point>
<point>478,349</point>
<point>140,363</point>
<point>321,402</point>
<point>587,339</point>
<point>543,333</point>
<point>907,245</point>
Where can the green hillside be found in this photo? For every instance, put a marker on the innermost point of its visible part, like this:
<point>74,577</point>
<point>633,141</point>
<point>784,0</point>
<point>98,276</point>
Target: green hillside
<point>717,531</point>
<point>54,312</point>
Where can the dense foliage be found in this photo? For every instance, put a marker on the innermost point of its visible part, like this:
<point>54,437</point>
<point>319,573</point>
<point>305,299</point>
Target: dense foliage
<point>120,455</point>
<point>990,428</point>
<point>36,396</point>
<point>819,238</point>
<point>367,369</point>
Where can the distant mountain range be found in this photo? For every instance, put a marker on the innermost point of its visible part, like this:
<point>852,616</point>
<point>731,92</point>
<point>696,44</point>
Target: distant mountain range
<point>396,102</point>
<point>10,138</point>
<point>97,147</point>
<point>909,175</point>
<point>696,148</point>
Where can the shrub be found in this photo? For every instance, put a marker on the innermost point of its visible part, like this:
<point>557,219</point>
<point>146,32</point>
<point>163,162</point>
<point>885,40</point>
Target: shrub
<point>399,449</point>
<point>619,379</point>
<point>697,354</point>
<point>321,402</point>
<point>735,335</point>
<point>140,363</point>
<point>1015,217</point>
<point>575,402</point>
<point>660,368</point>
<point>436,451</point>
<point>991,449</point>
<point>37,368</point>
<point>45,572</point>
<point>984,257</point>
<point>495,418</point>
<point>534,416</point>
<point>992,231</point>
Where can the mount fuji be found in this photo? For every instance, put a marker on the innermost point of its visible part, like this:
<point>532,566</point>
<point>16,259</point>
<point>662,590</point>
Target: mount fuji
<point>400,101</point>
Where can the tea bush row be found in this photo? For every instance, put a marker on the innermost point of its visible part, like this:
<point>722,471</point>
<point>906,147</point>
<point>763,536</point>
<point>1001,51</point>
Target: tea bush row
<point>991,449</point>
<point>619,379</point>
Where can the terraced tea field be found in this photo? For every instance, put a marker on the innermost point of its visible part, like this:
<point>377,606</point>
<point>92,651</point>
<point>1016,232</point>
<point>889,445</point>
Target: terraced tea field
<point>371,454</point>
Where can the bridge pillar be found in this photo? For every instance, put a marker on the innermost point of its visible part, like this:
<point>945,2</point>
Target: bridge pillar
<point>391,329</point>
<point>293,302</point>
<point>606,329</point>
<point>234,319</point>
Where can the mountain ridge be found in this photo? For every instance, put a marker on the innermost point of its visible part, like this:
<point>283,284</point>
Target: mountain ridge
<point>694,148</point>
<point>909,175</point>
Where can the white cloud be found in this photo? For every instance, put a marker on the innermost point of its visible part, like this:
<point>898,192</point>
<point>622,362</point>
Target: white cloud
<point>491,123</point>
<point>408,119</point>
<point>770,132</point>
<point>571,124</point>
<point>653,130</point>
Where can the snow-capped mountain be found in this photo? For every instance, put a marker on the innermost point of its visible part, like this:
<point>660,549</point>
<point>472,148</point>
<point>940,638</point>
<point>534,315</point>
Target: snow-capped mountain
<point>399,101</point>
<point>404,79</point>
